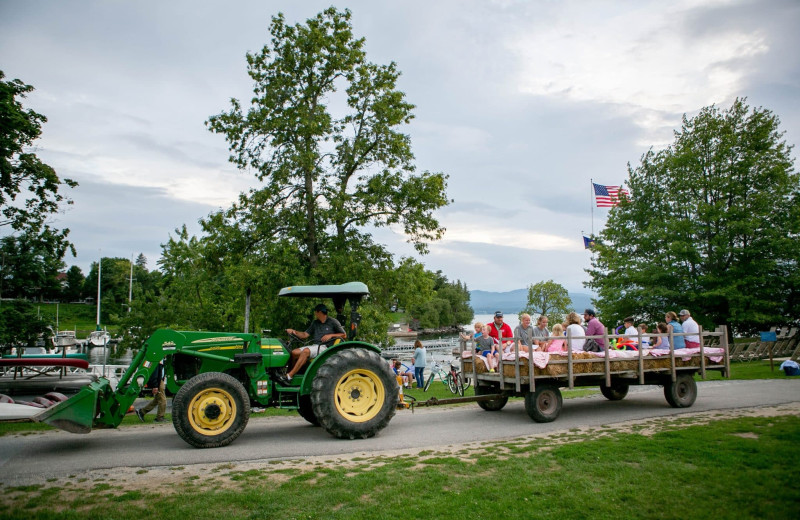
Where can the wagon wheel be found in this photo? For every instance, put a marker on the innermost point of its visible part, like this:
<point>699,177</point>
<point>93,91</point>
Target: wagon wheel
<point>493,405</point>
<point>682,393</point>
<point>544,403</point>
<point>615,392</point>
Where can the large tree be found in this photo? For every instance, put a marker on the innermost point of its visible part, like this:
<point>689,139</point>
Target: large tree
<point>29,188</point>
<point>712,225</point>
<point>323,135</point>
<point>548,299</point>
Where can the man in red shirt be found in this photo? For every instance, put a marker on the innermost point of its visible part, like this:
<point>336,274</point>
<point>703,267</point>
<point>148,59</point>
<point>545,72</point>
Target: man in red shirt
<point>497,328</point>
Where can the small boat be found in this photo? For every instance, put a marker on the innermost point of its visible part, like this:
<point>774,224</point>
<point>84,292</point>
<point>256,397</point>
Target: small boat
<point>99,338</point>
<point>29,376</point>
<point>65,338</point>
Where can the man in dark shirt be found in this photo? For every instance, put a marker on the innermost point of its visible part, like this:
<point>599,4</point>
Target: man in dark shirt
<point>323,330</point>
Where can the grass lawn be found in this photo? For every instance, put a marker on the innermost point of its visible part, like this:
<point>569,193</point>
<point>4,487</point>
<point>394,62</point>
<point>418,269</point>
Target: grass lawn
<point>688,467</point>
<point>728,468</point>
<point>71,316</point>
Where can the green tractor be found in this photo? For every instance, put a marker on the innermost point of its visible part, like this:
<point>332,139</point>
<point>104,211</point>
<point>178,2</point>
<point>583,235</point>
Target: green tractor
<point>216,377</point>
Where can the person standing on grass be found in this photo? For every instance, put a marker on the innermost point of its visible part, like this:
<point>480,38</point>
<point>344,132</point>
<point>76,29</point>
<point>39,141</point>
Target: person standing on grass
<point>419,363</point>
<point>157,382</point>
<point>690,327</point>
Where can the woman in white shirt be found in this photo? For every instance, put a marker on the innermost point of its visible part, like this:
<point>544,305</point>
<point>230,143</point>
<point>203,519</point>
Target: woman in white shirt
<point>574,329</point>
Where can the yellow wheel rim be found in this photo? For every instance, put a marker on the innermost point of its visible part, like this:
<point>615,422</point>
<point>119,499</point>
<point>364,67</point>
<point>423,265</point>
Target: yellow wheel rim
<point>212,411</point>
<point>359,395</point>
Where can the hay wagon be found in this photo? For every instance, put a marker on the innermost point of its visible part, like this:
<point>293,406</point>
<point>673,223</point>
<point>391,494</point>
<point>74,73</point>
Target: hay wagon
<point>539,377</point>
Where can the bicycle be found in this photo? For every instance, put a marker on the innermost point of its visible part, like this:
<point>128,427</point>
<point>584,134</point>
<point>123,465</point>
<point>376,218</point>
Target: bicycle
<point>455,373</point>
<point>452,379</point>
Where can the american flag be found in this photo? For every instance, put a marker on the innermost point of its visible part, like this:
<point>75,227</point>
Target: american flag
<point>608,196</point>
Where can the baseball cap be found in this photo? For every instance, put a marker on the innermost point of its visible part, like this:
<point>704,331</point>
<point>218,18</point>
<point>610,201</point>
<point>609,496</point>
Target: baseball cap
<point>684,312</point>
<point>321,308</point>
<point>498,314</point>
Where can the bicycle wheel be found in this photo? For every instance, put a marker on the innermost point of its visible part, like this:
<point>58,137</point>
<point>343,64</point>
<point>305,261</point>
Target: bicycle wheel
<point>460,385</point>
<point>452,384</point>
<point>467,381</point>
<point>428,382</point>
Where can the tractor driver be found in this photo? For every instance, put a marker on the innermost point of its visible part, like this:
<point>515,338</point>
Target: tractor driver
<point>324,330</point>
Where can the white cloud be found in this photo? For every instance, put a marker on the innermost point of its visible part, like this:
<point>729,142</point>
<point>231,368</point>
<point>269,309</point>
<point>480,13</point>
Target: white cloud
<point>639,57</point>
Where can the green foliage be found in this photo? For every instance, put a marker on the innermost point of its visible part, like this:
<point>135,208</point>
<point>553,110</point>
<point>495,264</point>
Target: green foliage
<point>29,189</point>
<point>73,288</point>
<point>326,177</point>
<point>323,178</point>
<point>548,299</point>
<point>712,226</point>
<point>19,324</point>
<point>449,306</point>
<point>30,264</point>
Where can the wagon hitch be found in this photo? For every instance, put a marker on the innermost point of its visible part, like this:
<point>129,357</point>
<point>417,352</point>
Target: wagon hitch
<point>434,401</point>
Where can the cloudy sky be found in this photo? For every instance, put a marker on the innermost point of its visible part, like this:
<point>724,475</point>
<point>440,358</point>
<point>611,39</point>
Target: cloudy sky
<point>520,102</point>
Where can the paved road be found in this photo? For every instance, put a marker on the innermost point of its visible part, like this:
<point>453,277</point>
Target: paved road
<point>55,454</point>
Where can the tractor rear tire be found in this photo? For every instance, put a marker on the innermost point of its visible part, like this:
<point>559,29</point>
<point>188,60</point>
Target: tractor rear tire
<point>493,405</point>
<point>306,410</point>
<point>210,410</point>
<point>354,394</point>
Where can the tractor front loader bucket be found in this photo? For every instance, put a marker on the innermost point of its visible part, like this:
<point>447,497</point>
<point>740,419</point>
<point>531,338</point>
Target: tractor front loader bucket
<point>76,414</point>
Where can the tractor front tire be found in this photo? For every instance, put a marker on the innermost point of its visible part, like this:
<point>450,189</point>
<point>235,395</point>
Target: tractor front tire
<point>210,410</point>
<point>354,394</point>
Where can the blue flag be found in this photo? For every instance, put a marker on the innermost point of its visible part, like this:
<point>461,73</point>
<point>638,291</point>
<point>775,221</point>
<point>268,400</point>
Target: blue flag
<point>588,243</point>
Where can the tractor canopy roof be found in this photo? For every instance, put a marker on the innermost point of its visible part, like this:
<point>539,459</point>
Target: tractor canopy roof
<point>346,290</point>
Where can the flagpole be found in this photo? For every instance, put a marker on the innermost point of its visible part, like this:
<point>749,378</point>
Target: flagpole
<point>591,206</point>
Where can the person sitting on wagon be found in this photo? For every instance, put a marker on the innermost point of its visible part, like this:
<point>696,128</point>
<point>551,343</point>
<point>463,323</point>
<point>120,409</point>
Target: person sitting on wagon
<point>324,330</point>
<point>675,327</point>
<point>474,337</point>
<point>559,344</point>
<point>645,335</point>
<point>630,331</point>
<point>488,348</point>
<point>524,331</point>
<point>690,327</point>
<point>540,333</point>
<point>498,329</point>
<point>594,327</point>
<point>661,342</point>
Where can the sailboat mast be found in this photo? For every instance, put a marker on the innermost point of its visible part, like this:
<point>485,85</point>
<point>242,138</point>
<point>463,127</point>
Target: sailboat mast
<point>99,275</point>
<point>130,287</point>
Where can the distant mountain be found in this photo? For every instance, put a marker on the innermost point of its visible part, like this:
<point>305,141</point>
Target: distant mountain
<point>486,302</point>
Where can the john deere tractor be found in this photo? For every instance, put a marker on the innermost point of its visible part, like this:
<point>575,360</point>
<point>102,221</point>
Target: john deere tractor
<point>218,376</point>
